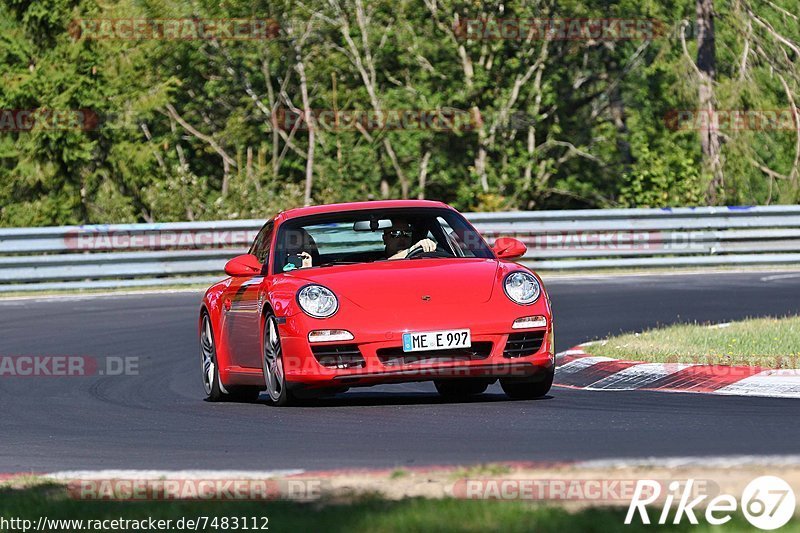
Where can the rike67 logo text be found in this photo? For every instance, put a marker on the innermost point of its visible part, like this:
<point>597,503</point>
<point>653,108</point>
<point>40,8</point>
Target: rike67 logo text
<point>767,502</point>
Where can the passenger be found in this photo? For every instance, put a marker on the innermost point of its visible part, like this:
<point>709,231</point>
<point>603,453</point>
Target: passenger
<point>300,245</point>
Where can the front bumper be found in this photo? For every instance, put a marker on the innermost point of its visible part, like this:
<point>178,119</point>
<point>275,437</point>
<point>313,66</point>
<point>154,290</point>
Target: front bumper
<point>302,367</point>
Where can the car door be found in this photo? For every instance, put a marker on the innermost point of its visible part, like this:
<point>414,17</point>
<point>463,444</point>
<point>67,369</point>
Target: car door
<point>242,305</point>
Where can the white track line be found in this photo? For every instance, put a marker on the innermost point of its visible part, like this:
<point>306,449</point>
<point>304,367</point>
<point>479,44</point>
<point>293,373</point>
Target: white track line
<point>780,276</point>
<point>91,296</point>
<point>732,461</point>
<point>170,474</point>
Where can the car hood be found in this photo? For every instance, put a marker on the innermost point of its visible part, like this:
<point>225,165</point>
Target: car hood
<point>399,282</point>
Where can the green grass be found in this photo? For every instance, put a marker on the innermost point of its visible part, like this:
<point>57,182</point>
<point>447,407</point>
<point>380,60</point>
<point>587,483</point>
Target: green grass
<point>678,270</point>
<point>766,342</point>
<point>482,470</point>
<point>367,514</point>
<point>398,473</point>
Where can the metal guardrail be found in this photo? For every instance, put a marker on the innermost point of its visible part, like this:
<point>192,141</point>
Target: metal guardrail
<point>128,255</point>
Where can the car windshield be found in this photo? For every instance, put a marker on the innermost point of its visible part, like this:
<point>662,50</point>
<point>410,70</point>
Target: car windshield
<point>376,235</point>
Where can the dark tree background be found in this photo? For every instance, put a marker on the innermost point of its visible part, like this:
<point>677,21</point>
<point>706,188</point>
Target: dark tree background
<point>192,129</point>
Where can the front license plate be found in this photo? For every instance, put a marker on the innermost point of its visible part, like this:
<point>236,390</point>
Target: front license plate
<point>436,340</point>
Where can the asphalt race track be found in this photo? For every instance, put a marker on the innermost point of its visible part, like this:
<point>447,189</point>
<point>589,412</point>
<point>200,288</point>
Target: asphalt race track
<point>158,420</point>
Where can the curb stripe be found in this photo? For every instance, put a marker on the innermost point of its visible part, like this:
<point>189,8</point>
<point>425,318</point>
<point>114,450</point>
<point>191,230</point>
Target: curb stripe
<point>595,372</point>
<point>636,377</point>
<point>578,370</point>
<point>769,383</point>
<point>570,365</point>
<point>704,378</point>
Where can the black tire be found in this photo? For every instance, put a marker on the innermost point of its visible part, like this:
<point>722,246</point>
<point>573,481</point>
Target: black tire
<point>279,392</point>
<point>215,391</point>
<point>528,388</point>
<point>460,388</point>
<point>208,362</point>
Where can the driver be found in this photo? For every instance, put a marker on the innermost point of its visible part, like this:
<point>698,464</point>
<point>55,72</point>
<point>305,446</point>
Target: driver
<point>398,238</point>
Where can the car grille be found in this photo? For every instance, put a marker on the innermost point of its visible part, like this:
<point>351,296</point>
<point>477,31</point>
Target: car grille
<point>339,356</point>
<point>523,344</point>
<point>397,357</point>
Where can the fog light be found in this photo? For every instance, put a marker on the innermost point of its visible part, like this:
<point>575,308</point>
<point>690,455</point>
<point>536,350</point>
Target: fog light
<point>537,321</point>
<point>325,335</point>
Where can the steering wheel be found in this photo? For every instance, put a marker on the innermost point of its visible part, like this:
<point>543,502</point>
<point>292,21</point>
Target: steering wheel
<point>419,251</point>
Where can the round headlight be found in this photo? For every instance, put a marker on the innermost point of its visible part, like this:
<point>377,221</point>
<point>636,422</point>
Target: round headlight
<point>522,288</point>
<point>317,301</point>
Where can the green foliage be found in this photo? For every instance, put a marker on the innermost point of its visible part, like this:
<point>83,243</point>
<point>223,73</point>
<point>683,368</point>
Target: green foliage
<point>186,129</point>
<point>667,175</point>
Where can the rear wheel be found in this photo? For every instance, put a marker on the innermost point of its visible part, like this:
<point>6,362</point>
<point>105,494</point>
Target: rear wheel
<point>215,390</point>
<point>272,365</point>
<point>460,388</point>
<point>528,388</point>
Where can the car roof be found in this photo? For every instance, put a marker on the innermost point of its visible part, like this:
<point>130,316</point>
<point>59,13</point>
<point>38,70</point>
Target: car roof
<point>356,206</point>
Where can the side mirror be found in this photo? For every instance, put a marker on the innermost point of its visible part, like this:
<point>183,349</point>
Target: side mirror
<point>509,248</point>
<point>243,265</point>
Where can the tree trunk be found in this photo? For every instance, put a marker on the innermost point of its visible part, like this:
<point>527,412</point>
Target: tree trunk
<point>301,70</point>
<point>617,109</point>
<point>707,65</point>
<point>423,175</point>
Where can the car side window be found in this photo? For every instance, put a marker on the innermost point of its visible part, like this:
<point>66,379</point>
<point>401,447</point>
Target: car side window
<point>260,247</point>
<point>453,241</point>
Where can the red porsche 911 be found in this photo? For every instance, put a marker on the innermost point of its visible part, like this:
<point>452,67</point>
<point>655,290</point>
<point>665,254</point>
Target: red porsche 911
<point>349,295</point>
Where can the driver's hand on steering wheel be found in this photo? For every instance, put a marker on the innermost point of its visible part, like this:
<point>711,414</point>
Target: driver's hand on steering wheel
<point>427,245</point>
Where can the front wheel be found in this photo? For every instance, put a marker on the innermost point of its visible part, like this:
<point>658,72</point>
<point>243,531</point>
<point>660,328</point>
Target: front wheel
<point>208,360</point>
<point>272,365</point>
<point>528,388</point>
